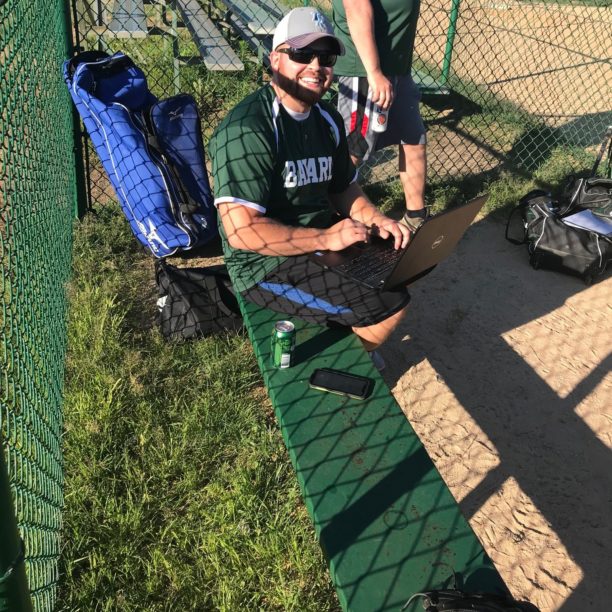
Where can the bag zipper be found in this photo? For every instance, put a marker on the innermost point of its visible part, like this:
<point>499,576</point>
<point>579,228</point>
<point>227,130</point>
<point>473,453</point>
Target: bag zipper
<point>163,165</point>
<point>180,191</point>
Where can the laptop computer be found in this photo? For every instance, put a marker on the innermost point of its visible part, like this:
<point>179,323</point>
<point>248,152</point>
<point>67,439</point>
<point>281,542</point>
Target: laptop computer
<point>379,266</point>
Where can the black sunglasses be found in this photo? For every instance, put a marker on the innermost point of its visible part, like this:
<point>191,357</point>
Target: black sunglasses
<point>305,56</point>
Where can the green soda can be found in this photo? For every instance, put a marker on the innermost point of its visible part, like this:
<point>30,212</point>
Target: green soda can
<point>283,344</point>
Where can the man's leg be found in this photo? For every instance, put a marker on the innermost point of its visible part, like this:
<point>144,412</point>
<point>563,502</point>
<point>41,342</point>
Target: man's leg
<point>374,335</point>
<point>412,171</point>
<point>301,288</point>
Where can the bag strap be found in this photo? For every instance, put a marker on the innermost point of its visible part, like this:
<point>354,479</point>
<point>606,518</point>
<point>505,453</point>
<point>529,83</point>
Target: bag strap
<point>455,600</point>
<point>519,208</point>
<point>607,141</point>
<point>515,210</point>
<point>226,292</point>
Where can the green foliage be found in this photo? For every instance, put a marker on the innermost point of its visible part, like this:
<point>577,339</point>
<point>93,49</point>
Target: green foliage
<point>179,491</point>
<point>505,184</point>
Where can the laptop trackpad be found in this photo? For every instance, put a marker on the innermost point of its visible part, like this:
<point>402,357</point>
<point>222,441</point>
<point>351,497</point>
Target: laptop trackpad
<point>333,259</point>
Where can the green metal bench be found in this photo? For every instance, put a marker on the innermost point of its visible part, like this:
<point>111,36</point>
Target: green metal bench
<point>386,521</point>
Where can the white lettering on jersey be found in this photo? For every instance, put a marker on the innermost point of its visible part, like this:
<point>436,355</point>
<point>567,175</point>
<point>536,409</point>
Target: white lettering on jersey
<point>290,175</point>
<point>306,173</point>
<point>302,172</point>
<point>311,169</point>
<point>325,168</point>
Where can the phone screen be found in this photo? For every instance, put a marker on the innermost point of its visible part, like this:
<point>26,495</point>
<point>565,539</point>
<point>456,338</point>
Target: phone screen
<point>336,381</point>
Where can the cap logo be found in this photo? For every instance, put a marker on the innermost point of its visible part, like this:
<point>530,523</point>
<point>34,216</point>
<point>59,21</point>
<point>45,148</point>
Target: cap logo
<point>319,21</point>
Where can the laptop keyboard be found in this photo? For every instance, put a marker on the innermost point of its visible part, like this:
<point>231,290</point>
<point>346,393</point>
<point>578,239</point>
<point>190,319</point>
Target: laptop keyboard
<point>373,265</point>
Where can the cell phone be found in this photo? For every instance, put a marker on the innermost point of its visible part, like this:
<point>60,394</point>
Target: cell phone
<point>342,383</point>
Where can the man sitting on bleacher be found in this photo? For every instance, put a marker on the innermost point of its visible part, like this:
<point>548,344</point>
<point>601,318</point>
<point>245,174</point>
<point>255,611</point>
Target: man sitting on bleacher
<point>282,173</point>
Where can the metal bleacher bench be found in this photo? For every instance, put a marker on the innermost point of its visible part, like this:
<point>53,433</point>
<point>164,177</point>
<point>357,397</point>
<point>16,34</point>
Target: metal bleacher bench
<point>216,52</point>
<point>129,19</point>
<point>260,16</point>
<point>387,523</point>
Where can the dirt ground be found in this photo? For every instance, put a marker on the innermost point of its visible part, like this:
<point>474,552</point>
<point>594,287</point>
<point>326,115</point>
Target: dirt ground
<point>552,60</point>
<point>504,373</point>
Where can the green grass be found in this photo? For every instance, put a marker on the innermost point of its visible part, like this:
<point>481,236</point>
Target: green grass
<point>505,184</point>
<point>179,494</point>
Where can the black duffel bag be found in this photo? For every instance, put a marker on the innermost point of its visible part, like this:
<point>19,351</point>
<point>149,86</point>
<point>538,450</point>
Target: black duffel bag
<point>195,302</point>
<point>594,192</point>
<point>554,245</point>
<point>454,600</point>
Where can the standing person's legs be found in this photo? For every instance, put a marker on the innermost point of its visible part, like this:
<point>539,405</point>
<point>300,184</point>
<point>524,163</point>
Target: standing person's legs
<point>412,172</point>
<point>406,123</point>
<point>405,128</point>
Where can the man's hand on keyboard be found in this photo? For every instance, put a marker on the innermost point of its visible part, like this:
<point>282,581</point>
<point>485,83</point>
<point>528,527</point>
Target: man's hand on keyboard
<point>388,228</point>
<point>345,233</point>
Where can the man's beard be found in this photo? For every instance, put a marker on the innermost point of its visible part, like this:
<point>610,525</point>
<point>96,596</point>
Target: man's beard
<point>295,90</point>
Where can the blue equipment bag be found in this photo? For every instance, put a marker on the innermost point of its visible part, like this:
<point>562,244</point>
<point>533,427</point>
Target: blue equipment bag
<point>151,149</point>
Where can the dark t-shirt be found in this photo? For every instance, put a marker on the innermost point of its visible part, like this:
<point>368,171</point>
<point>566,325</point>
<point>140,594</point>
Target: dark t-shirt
<point>394,30</point>
<point>264,158</point>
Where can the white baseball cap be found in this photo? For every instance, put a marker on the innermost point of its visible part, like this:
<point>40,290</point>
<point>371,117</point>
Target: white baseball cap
<point>302,26</point>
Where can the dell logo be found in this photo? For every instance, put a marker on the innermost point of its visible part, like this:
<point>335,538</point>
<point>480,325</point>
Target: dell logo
<point>437,242</point>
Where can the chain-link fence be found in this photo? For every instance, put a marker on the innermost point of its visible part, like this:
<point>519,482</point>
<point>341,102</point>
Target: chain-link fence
<point>523,78</point>
<point>37,197</point>
<point>504,83</point>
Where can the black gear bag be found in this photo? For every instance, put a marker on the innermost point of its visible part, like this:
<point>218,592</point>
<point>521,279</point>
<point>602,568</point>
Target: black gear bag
<point>554,245</point>
<point>195,302</point>
<point>552,237</point>
<point>454,600</point>
<point>592,193</point>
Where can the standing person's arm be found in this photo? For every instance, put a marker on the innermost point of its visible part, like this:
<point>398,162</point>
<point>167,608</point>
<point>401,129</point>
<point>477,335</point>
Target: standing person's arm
<point>360,19</point>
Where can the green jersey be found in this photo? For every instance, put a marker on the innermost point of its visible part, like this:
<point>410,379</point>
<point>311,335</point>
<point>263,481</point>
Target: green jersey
<point>394,31</point>
<point>281,164</point>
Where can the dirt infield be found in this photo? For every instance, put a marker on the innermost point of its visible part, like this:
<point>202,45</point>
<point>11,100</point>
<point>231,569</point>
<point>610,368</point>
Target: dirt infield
<point>552,60</point>
<point>505,374</point>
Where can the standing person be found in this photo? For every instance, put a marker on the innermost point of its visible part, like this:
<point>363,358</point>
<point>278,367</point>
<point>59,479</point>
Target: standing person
<point>375,72</point>
<point>285,187</point>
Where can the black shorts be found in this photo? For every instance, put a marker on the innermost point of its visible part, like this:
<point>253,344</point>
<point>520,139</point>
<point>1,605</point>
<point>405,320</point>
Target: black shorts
<point>301,288</point>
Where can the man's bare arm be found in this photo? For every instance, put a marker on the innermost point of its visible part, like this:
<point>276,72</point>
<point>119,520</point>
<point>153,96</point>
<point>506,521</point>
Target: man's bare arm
<point>360,19</point>
<point>248,229</point>
<point>354,203</point>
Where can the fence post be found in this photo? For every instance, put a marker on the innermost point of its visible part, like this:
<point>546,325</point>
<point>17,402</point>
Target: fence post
<point>14,592</point>
<point>81,200</point>
<point>450,40</point>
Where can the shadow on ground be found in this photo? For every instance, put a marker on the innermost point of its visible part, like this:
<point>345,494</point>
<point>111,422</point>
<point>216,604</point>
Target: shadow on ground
<point>463,320</point>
